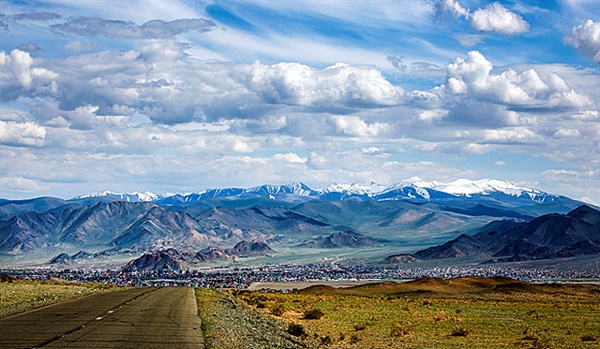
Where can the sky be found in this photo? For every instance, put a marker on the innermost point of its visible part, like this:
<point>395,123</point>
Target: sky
<point>179,96</point>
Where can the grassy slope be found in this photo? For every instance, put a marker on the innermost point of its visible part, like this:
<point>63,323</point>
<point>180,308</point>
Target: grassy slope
<point>20,296</point>
<point>467,313</point>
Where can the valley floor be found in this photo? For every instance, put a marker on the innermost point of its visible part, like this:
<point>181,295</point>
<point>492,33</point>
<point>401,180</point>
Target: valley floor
<point>435,313</point>
<point>427,313</point>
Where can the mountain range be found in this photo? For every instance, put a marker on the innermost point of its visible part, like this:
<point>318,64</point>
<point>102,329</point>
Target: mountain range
<point>173,259</point>
<point>576,233</point>
<point>414,189</point>
<point>406,215</point>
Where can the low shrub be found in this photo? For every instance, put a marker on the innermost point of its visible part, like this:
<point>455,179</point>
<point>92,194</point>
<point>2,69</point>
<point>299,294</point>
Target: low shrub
<point>460,331</point>
<point>354,339</point>
<point>326,340</point>
<point>278,310</point>
<point>400,330</point>
<point>588,338</point>
<point>313,314</point>
<point>296,330</point>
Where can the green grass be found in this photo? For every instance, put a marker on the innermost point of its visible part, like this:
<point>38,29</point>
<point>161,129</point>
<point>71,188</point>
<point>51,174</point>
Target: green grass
<point>20,296</point>
<point>555,318</point>
<point>229,323</point>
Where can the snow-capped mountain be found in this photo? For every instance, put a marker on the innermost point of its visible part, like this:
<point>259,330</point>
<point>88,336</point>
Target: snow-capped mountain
<point>130,197</point>
<point>487,187</point>
<point>295,188</point>
<point>353,191</point>
<point>410,189</point>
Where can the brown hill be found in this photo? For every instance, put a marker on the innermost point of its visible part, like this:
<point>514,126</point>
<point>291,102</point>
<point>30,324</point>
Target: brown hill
<point>472,285</point>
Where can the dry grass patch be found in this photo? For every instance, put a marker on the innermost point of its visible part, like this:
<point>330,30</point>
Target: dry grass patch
<point>20,296</point>
<point>492,316</point>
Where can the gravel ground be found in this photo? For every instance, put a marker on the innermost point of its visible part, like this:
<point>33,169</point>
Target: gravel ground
<point>229,323</point>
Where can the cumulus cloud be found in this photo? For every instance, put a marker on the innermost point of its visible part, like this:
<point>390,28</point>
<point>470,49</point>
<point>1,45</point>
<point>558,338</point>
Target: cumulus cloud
<point>17,75</point>
<point>21,133</point>
<point>290,157</point>
<point>498,19</point>
<point>473,77</point>
<point>155,29</point>
<point>585,38</point>
<point>355,126</point>
<point>494,18</point>
<point>162,82</point>
<point>340,85</point>
<point>476,94</point>
<point>510,135</point>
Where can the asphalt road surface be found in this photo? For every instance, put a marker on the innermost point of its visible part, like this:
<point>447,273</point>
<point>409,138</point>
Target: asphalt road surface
<point>148,318</point>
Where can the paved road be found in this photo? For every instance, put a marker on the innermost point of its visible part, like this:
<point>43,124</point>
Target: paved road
<point>148,318</point>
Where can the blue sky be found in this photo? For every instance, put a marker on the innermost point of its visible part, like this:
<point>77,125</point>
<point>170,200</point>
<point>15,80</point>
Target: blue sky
<point>179,96</point>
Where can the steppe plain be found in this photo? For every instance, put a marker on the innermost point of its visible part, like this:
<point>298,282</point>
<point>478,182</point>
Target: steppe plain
<point>466,312</point>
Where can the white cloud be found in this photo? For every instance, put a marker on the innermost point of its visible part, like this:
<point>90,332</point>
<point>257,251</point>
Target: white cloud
<point>22,133</point>
<point>154,29</point>
<point>290,157</point>
<point>497,18</point>
<point>585,38</point>
<point>433,114</point>
<point>567,133</point>
<point>337,85</point>
<point>450,6</point>
<point>587,115</point>
<point>355,126</point>
<point>493,18</point>
<point>407,65</point>
<point>19,184</point>
<point>510,135</point>
<point>583,185</point>
<point>473,77</point>
<point>18,76</point>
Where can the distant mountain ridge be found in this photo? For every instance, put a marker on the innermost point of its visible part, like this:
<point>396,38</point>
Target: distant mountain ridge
<point>414,189</point>
<point>114,225</point>
<point>173,259</point>
<point>549,236</point>
<point>344,239</point>
<point>90,229</point>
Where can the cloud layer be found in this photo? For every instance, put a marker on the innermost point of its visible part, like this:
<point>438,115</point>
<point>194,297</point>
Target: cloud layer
<point>189,96</point>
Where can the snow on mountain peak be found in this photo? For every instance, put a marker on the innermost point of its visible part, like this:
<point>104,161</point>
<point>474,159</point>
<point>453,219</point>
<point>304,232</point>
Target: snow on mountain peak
<point>353,188</point>
<point>131,197</point>
<point>483,186</point>
<point>412,188</point>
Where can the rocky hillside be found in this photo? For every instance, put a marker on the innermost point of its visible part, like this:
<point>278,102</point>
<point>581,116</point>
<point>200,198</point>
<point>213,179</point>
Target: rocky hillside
<point>344,239</point>
<point>173,259</point>
<point>549,236</point>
